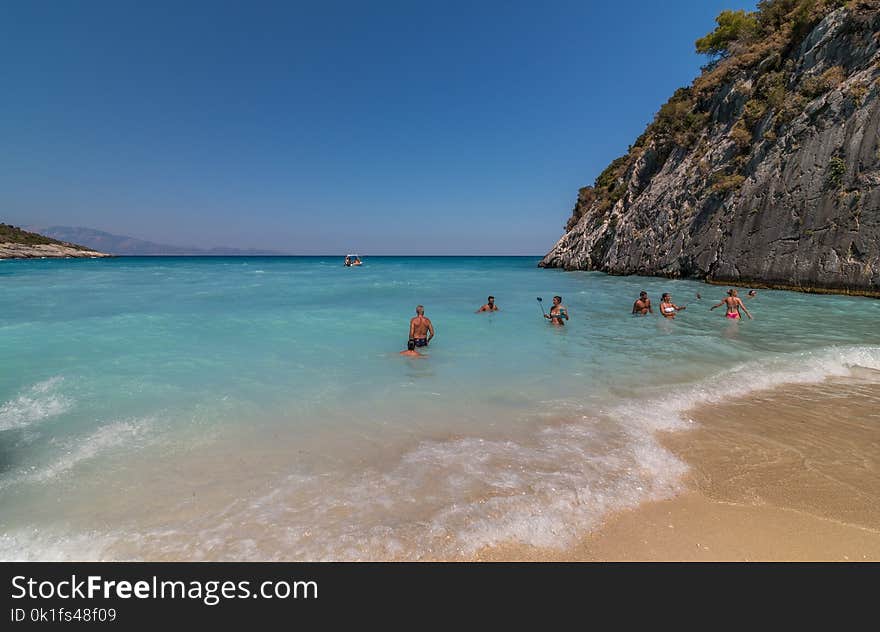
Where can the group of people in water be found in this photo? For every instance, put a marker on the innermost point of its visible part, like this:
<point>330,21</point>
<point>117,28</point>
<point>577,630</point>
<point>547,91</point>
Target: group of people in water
<point>421,329</point>
<point>668,309</point>
<point>352,260</point>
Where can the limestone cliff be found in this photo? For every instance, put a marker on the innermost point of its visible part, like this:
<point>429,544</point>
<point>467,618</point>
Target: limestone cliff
<point>765,171</point>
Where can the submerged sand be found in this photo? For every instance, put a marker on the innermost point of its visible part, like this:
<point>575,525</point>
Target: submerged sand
<point>788,474</point>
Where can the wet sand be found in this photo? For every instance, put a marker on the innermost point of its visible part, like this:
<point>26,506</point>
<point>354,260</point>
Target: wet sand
<point>788,474</point>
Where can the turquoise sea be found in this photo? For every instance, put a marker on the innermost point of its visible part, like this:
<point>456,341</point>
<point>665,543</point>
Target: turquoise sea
<point>257,408</point>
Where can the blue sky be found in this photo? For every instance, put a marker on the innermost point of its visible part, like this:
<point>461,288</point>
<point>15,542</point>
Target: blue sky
<point>382,127</point>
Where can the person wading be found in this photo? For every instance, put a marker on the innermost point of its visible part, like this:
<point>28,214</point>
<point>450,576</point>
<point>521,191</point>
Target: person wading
<point>734,304</point>
<point>490,306</point>
<point>558,312</point>
<point>642,306</point>
<point>421,330</point>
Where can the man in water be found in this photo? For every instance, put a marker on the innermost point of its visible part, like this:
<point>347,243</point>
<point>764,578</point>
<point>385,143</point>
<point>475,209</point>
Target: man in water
<point>643,305</point>
<point>668,308</point>
<point>490,306</point>
<point>557,312</point>
<point>752,294</point>
<point>411,349</point>
<point>734,304</point>
<point>420,328</point>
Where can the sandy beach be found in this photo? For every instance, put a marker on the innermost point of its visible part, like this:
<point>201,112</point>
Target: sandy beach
<point>788,474</point>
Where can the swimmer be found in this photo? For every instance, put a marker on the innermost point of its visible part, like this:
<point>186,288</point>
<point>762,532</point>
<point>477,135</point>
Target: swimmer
<point>642,306</point>
<point>490,306</point>
<point>752,294</point>
<point>557,312</point>
<point>667,307</point>
<point>421,330</point>
<point>734,304</point>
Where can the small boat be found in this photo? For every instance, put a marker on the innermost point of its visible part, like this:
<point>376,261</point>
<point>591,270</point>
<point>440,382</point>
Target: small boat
<point>352,260</point>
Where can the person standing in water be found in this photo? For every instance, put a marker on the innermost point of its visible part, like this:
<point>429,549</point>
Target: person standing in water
<point>667,307</point>
<point>734,304</point>
<point>421,330</point>
<point>490,306</point>
<point>557,312</point>
<point>642,306</point>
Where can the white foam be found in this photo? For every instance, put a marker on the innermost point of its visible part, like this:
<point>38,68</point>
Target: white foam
<point>112,435</point>
<point>82,449</point>
<point>40,401</point>
<point>448,499</point>
<point>809,367</point>
<point>443,499</point>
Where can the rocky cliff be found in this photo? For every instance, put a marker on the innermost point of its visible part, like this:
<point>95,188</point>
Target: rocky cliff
<point>16,243</point>
<point>765,171</point>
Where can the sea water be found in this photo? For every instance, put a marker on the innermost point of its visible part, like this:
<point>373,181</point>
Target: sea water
<point>258,408</point>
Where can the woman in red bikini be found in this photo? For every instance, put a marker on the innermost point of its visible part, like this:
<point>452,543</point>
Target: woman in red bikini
<point>734,304</point>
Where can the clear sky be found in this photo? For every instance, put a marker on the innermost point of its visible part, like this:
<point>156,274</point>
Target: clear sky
<point>380,127</point>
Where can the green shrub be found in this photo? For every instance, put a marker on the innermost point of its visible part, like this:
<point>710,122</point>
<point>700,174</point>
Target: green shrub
<point>679,120</point>
<point>792,106</point>
<point>753,111</point>
<point>724,183</point>
<point>831,78</point>
<point>586,197</point>
<point>834,173</point>
<point>608,178</point>
<point>741,136</point>
<point>772,14</point>
<point>732,26</point>
<point>771,87</point>
<point>857,93</point>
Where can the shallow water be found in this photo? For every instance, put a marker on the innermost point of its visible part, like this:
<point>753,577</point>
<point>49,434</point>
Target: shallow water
<point>257,408</point>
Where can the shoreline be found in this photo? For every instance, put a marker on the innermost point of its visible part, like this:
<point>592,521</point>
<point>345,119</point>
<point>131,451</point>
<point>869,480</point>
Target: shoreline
<point>767,481</point>
<point>742,283</point>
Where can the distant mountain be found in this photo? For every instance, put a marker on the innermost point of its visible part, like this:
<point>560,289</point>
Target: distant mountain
<point>123,245</point>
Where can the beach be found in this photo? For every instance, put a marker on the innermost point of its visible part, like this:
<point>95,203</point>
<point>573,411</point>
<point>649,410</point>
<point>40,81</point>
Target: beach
<point>791,474</point>
<point>257,408</point>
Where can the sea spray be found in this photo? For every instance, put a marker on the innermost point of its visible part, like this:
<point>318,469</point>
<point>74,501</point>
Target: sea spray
<point>38,402</point>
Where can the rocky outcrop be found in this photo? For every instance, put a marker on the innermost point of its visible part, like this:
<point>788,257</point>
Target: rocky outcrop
<point>16,243</point>
<point>773,180</point>
<point>11,250</point>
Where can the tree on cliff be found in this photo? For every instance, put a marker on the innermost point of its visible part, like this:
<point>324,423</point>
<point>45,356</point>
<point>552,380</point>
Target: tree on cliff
<point>732,26</point>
